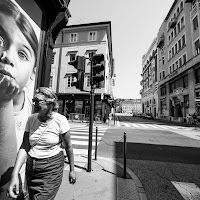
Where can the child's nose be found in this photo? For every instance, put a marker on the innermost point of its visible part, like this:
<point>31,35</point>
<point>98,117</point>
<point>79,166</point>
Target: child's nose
<point>7,58</point>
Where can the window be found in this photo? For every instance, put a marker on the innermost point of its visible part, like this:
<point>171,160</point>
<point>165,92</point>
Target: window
<point>180,62</point>
<point>73,37</point>
<point>181,6</point>
<point>53,56</point>
<point>176,48</point>
<point>195,23</point>
<point>92,36</point>
<point>173,67</point>
<point>51,81</point>
<point>177,64</point>
<point>184,59</point>
<point>172,51</point>
<point>70,80</point>
<point>197,47</point>
<point>179,45</point>
<point>170,54</point>
<point>72,57</point>
<point>163,91</point>
<point>182,22</point>
<point>179,27</point>
<point>163,60</point>
<point>197,76</point>
<point>183,40</point>
<point>163,74</point>
<point>177,11</point>
<point>175,31</point>
<point>170,69</point>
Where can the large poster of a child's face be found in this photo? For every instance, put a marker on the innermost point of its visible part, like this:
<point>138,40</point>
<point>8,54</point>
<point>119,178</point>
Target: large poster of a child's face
<point>19,44</point>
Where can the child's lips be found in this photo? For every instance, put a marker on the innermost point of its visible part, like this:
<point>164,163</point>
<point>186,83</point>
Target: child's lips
<point>4,72</point>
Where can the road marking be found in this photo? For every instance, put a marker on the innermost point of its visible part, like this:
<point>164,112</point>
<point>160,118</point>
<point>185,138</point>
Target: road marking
<point>152,126</point>
<point>189,191</point>
<point>135,125</point>
<point>83,137</point>
<point>143,125</point>
<point>127,125</point>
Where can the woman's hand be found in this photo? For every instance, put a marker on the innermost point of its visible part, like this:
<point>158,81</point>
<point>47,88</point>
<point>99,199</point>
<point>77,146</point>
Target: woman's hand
<point>8,87</point>
<point>72,177</point>
<point>13,189</point>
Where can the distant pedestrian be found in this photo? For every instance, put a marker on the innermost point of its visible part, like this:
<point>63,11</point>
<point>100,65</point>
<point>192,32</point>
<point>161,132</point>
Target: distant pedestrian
<point>194,119</point>
<point>41,146</point>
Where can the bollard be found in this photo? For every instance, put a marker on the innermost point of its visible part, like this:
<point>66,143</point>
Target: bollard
<point>125,149</point>
<point>96,144</point>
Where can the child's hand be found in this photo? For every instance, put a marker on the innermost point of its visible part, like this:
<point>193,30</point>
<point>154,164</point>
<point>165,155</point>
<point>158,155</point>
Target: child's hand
<point>8,88</point>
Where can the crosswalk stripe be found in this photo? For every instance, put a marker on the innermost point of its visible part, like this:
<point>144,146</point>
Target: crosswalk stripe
<point>82,137</point>
<point>135,125</point>
<point>152,126</point>
<point>83,143</point>
<point>81,151</point>
<point>127,125</point>
<point>172,127</point>
<point>143,125</point>
<point>85,133</point>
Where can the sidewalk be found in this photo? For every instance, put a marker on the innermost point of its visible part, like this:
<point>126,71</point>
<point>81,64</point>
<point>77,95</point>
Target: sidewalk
<point>105,182</point>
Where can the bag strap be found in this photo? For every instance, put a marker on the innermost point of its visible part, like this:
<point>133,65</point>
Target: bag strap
<point>41,133</point>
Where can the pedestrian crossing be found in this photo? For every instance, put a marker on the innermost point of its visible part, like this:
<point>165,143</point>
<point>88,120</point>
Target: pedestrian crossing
<point>149,126</point>
<point>80,139</point>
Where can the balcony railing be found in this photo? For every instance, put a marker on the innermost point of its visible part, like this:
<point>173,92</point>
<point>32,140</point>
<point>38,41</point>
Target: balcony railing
<point>160,41</point>
<point>188,1</point>
<point>173,23</point>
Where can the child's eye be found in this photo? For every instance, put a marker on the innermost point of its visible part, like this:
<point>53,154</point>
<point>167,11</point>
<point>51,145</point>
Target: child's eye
<point>22,55</point>
<point>2,43</point>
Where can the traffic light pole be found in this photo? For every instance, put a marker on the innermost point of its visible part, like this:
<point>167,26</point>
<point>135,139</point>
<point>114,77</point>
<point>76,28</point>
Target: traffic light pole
<point>91,119</point>
<point>91,129</point>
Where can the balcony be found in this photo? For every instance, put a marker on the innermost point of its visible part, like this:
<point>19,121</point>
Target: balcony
<point>161,41</point>
<point>173,23</point>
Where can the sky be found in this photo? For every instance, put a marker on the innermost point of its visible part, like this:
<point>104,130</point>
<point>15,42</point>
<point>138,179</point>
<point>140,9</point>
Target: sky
<point>134,25</point>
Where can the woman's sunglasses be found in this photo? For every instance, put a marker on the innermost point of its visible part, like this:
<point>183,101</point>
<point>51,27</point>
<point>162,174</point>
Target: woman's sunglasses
<point>38,101</point>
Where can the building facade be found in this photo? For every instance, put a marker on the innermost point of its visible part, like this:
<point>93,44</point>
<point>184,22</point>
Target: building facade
<point>178,51</point>
<point>82,40</point>
<point>131,106</point>
<point>149,92</point>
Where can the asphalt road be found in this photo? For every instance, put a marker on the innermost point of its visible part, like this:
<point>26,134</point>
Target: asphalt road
<point>157,157</point>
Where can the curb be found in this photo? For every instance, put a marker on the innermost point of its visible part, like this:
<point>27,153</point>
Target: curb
<point>139,186</point>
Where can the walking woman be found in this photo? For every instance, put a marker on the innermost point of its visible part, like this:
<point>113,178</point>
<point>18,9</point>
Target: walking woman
<point>45,131</point>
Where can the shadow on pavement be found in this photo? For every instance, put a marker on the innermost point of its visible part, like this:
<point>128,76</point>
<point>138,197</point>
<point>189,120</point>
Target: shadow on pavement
<point>154,152</point>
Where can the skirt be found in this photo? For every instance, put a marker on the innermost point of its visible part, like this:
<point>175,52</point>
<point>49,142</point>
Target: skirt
<point>44,176</point>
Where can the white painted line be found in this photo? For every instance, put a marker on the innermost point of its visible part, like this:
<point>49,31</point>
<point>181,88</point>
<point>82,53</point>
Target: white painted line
<point>75,142</point>
<point>127,125</point>
<point>189,191</point>
<point>143,125</point>
<point>161,126</point>
<point>81,151</point>
<point>83,137</point>
<point>135,125</point>
<point>171,127</point>
<point>152,126</point>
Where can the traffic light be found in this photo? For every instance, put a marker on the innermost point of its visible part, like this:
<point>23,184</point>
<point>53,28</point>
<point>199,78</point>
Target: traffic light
<point>78,64</point>
<point>97,69</point>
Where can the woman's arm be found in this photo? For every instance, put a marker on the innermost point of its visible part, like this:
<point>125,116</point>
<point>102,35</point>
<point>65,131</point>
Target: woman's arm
<point>21,157</point>
<point>69,150</point>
